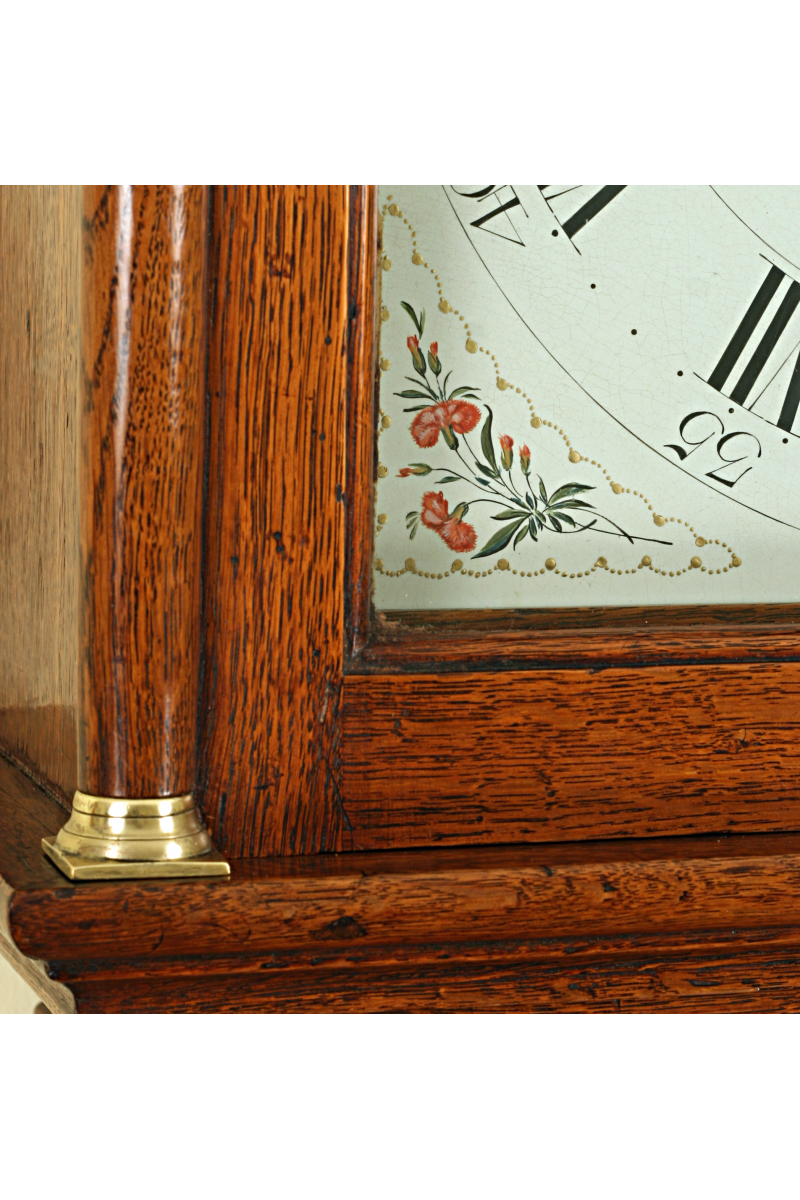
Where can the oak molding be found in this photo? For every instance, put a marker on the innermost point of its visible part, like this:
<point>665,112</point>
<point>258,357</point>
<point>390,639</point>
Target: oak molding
<point>692,924</point>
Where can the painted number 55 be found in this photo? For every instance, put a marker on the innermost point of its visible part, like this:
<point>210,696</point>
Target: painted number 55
<point>692,430</point>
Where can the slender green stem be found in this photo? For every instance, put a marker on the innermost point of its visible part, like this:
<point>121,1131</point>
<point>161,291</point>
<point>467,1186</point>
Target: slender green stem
<point>594,529</point>
<point>499,479</point>
<point>474,477</point>
<point>511,482</point>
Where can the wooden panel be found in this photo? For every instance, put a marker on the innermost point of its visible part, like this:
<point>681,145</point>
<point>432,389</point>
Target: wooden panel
<point>39,349</point>
<point>553,755</point>
<point>362,409</point>
<point>274,539</point>
<point>493,639</point>
<point>329,904</point>
<point>710,984</point>
<point>143,354</point>
<point>691,924</point>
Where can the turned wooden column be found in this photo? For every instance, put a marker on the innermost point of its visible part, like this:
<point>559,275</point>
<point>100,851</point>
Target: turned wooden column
<point>140,488</point>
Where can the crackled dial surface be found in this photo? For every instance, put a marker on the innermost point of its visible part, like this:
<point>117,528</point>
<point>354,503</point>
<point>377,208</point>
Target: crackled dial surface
<point>589,395</point>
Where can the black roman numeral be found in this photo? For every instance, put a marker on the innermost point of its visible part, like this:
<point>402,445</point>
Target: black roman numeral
<point>769,340</point>
<point>501,200</point>
<point>588,210</point>
<point>791,400</point>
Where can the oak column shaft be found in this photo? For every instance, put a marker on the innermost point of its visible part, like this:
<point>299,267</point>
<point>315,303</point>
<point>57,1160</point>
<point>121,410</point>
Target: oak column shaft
<point>140,488</point>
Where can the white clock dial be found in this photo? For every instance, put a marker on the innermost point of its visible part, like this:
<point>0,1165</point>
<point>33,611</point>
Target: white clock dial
<point>654,331</point>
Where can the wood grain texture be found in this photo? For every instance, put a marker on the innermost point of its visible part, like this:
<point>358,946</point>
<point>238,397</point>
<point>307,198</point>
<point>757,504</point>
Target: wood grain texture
<point>362,412</point>
<point>39,351</point>
<point>274,535</point>
<point>326,904</point>
<point>143,364</point>
<point>691,924</point>
<point>705,984</point>
<point>493,639</point>
<point>555,755</point>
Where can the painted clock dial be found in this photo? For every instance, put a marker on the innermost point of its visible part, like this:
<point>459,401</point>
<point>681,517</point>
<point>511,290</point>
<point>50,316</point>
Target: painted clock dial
<point>590,394</point>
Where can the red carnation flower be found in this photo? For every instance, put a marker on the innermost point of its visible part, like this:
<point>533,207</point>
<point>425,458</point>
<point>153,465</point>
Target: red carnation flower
<point>452,416</point>
<point>416,354</point>
<point>507,456</point>
<point>451,527</point>
<point>414,469</point>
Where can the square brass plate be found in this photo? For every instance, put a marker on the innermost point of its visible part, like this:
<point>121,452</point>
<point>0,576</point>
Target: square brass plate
<point>78,868</point>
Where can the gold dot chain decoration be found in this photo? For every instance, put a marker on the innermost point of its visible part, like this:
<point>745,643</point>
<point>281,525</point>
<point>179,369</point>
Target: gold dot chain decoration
<point>537,422</point>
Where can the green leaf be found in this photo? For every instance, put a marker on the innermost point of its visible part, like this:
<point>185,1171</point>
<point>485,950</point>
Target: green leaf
<point>562,516</point>
<point>509,514</point>
<point>413,316</point>
<point>532,529</point>
<point>574,504</point>
<point>520,536</point>
<point>408,394</point>
<point>492,474</point>
<point>421,321</point>
<point>530,500</point>
<point>555,523</point>
<point>542,492</point>
<point>448,479</point>
<point>462,391</point>
<point>429,392</point>
<point>414,531</point>
<point>570,489</point>
<point>486,443</point>
<point>499,540</point>
<point>444,385</point>
<point>413,513</point>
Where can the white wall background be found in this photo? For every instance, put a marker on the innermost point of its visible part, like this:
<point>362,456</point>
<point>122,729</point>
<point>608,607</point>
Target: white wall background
<point>15,995</point>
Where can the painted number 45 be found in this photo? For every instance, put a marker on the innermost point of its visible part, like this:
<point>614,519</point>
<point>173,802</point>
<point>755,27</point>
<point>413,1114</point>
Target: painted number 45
<point>693,433</point>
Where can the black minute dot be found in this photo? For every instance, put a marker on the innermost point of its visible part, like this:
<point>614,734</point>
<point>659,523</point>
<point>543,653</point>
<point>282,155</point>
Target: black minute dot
<point>634,332</point>
<point>555,233</point>
<point>730,410</point>
<point>327,341</point>
<point>680,372</point>
<point>594,285</point>
<point>785,440</point>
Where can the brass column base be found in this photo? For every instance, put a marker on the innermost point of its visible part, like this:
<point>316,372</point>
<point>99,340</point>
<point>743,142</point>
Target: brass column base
<point>107,838</point>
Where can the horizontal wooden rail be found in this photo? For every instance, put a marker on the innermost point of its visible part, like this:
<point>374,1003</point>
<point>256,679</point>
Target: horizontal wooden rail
<point>692,923</point>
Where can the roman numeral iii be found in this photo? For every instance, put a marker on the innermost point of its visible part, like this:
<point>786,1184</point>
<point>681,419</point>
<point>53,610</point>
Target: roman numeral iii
<point>759,355</point>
